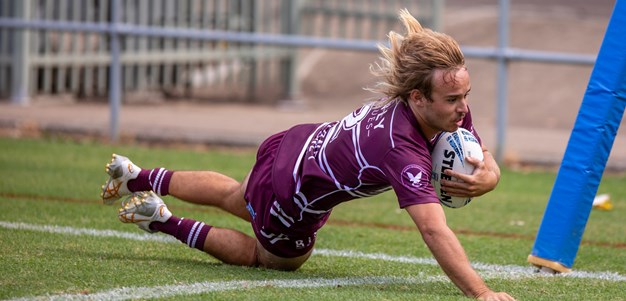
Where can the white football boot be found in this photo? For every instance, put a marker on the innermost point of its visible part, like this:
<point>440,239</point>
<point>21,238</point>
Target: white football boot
<point>142,209</point>
<point>120,170</point>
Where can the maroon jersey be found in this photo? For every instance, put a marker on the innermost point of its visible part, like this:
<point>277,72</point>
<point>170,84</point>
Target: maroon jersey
<point>372,150</point>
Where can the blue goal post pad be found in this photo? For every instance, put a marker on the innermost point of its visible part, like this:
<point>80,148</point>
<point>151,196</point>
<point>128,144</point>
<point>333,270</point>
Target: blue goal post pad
<point>587,152</point>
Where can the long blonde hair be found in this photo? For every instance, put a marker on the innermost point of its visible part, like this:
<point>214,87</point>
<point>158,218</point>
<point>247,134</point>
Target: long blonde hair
<point>410,61</point>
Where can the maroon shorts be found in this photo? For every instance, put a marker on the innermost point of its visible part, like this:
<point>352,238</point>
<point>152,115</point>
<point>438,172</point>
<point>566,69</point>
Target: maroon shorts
<point>275,237</point>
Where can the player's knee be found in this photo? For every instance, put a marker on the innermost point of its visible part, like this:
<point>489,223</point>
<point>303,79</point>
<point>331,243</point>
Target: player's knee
<point>270,261</point>
<point>283,266</point>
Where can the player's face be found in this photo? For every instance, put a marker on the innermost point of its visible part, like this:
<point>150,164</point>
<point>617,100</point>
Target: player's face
<point>447,106</point>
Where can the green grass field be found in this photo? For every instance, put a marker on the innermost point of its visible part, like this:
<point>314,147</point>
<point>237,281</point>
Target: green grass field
<point>58,240</point>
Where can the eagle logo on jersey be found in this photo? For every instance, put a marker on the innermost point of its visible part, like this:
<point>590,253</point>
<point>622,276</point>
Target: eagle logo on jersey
<point>413,176</point>
<point>414,179</point>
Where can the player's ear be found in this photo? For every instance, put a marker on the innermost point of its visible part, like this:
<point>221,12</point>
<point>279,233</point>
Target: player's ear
<point>416,96</point>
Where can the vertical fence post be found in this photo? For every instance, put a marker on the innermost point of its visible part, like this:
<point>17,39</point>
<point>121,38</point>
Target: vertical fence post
<point>503,43</point>
<point>294,23</point>
<point>21,54</point>
<point>253,62</point>
<point>114,72</point>
<point>291,19</point>
<point>437,14</point>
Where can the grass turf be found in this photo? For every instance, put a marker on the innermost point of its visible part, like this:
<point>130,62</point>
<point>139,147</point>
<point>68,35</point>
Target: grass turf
<point>57,182</point>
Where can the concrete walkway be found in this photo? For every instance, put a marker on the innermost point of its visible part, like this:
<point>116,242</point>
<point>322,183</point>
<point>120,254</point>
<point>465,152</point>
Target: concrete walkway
<point>248,125</point>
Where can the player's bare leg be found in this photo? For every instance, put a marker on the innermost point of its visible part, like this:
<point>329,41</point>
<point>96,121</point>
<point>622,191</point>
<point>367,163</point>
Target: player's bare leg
<point>210,188</point>
<point>200,187</point>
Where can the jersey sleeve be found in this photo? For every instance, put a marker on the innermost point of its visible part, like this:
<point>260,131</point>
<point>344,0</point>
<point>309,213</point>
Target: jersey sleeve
<point>469,125</point>
<point>408,172</point>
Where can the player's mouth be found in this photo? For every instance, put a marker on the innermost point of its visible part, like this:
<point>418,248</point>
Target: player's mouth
<point>459,121</point>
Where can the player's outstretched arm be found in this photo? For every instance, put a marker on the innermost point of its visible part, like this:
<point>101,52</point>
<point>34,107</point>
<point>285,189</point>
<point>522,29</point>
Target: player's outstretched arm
<point>447,250</point>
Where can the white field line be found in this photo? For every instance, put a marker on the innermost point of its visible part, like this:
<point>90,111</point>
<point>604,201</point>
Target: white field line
<point>510,269</point>
<point>125,293</point>
<point>164,291</point>
<point>485,268</point>
<point>86,231</point>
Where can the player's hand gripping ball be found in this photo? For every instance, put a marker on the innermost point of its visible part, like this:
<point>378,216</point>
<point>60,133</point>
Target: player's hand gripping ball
<point>450,152</point>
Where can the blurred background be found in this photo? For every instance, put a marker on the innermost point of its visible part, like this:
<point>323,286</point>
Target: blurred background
<point>234,71</point>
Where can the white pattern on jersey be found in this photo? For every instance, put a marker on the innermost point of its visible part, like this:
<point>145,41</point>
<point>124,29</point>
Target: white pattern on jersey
<point>329,132</point>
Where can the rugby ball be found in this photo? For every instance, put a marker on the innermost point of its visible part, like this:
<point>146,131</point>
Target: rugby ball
<point>450,152</point>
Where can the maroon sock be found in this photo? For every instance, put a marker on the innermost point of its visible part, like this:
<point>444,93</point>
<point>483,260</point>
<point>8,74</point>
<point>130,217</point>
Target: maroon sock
<point>157,180</point>
<point>188,231</point>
